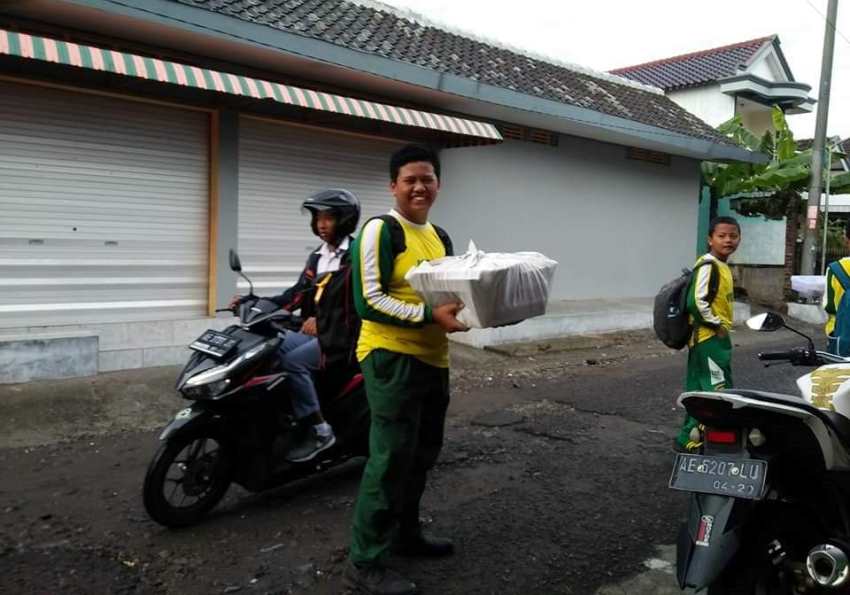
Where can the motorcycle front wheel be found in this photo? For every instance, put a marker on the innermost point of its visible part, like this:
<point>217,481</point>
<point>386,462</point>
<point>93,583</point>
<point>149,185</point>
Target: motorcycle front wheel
<point>188,476</point>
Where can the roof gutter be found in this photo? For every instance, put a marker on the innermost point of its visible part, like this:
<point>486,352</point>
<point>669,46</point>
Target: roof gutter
<point>483,100</point>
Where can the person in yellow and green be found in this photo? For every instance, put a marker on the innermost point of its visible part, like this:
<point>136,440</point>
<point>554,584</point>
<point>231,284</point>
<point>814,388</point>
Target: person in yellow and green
<point>838,309</point>
<point>710,307</point>
<point>404,356</point>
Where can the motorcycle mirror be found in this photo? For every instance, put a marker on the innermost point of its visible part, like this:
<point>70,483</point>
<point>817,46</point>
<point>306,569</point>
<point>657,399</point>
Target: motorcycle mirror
<point>235,264</point>
<point>766,322</point>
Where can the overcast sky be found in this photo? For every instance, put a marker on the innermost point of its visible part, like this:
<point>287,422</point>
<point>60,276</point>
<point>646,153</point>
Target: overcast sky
<point>605,34</point>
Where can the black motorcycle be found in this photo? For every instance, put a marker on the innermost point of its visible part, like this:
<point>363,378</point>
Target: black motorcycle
<point>240,423</point>
<point>770,492</point>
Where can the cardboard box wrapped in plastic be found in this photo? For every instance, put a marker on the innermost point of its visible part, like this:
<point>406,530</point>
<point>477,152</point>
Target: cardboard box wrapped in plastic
<point>495,288</point>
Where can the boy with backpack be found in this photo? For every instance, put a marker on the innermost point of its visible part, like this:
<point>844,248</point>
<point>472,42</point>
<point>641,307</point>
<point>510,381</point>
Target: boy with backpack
<point>838,309</point>
<point>710,304</point>
<point>404,356</point>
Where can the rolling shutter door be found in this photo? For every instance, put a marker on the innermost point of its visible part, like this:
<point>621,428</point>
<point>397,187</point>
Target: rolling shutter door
<point>104,208</point>
<point>280,166</point>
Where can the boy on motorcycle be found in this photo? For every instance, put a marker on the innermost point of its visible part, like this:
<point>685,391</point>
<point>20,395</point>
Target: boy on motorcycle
<point>334,217</point>
<point>710,306</point>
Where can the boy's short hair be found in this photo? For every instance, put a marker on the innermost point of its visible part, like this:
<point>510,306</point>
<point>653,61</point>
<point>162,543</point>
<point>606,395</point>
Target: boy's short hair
<point>720,221</point>
<point>410,154</point>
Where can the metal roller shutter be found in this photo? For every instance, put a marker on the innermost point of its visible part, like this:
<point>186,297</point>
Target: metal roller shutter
<point>279,166</point>
<point>104,208</point>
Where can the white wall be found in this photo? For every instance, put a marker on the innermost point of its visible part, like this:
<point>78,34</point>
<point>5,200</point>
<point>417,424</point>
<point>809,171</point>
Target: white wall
<point>757,121</point>
<point>617,227</point>
<point>768,67</point>
<point>762,240</point>
<point>707,103</point>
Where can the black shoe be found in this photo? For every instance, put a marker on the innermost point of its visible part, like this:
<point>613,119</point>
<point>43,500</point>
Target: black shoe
<point>311,445</point>
<point>423,546</point>
<point>376,579</point>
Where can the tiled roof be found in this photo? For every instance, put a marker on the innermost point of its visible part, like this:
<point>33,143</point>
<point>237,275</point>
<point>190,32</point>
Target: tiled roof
<point>697,68</point>
<point>372,28</point>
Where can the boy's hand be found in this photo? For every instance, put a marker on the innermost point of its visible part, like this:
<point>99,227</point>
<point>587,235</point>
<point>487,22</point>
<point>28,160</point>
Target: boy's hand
<point>446,317</point>
<point>234,301</point>
<point>309,327</point>
<point>722,332</point>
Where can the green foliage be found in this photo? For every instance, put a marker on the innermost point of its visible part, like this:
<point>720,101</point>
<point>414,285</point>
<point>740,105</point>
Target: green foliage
<point>786,174</point>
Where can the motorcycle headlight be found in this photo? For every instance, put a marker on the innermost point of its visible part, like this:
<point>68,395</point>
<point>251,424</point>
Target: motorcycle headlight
<point>218,374</point>
<point>207,391</point>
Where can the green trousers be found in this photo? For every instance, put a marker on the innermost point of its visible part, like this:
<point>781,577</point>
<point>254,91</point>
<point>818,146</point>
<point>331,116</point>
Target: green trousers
<point>709,369</point>
<point>408,401</point>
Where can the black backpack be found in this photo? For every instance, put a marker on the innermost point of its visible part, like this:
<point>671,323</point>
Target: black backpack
<point>670,315</point>
<point>336,319</point>
<point>397,235</point>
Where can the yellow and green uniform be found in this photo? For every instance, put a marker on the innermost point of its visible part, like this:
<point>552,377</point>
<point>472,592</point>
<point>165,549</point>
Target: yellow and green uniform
<point>404,357</point>
<point>394,316</point>
<point>709,355</point>
<point>833,294</point>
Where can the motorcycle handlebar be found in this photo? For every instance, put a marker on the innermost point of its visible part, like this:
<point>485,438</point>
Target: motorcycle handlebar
<point>776,355</point>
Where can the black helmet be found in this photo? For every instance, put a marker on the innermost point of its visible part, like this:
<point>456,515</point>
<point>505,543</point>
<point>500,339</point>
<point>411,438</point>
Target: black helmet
<point>342,203</point>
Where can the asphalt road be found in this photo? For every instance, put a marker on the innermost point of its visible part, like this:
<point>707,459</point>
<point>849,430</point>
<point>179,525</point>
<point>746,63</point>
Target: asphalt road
<point>549,482</point>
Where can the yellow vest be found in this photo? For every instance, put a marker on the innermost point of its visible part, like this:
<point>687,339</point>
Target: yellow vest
<point>429,342</point>
<point>723,304</point>
<point>833,294</point>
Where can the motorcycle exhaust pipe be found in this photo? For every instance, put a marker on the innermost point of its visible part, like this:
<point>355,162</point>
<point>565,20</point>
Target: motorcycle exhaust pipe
<point>828,566</point>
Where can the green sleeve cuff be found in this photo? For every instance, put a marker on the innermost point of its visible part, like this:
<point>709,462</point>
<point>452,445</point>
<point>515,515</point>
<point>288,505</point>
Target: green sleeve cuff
<point>429,314</point>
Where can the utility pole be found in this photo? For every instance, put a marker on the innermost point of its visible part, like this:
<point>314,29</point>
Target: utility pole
<point>809,243</point>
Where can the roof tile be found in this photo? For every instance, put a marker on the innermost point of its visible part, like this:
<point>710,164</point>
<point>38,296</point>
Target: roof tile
<point>696,68</point>
<point>385,33</point>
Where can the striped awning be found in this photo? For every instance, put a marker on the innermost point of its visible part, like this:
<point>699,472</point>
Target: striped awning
<point>46,49</point>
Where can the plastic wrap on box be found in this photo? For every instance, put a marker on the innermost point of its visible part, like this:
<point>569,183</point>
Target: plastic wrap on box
<point>809,286</point>
<point>495,288</point>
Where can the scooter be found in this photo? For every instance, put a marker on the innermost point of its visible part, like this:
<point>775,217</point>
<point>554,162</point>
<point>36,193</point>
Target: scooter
<point>769,505</point>
<point>240,425</point>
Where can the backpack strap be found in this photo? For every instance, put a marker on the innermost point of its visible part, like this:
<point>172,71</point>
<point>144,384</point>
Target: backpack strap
<point>447,241</point>
<point>840,274</point>
<point>397,235</point>
<point>713,279</point>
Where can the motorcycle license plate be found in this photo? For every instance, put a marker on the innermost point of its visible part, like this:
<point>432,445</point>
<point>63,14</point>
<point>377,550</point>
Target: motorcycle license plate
<point>739,478</point>
<point>214,343</point>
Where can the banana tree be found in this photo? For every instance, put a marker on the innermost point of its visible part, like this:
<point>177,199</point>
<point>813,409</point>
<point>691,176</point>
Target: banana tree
<point>777,185</point>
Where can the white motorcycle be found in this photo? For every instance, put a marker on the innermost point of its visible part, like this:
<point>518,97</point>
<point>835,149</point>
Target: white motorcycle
<point>770,493</point>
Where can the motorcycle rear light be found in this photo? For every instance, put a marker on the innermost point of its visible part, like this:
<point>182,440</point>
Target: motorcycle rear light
<point>721,436</point>
<point>756,437</point>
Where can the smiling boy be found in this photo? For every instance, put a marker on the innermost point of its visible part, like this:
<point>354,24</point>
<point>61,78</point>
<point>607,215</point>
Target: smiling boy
<point>710,306</point>
<point>404,355</point>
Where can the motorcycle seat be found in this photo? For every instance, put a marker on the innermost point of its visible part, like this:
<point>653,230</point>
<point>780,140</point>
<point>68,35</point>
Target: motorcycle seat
<point>835,422</point>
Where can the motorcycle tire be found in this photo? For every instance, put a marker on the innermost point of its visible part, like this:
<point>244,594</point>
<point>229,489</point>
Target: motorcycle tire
<point>742,579</point>
<point>201,475</point>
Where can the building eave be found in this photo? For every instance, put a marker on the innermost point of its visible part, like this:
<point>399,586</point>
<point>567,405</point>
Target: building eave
<point>788,94</point>
<point>453,92</point>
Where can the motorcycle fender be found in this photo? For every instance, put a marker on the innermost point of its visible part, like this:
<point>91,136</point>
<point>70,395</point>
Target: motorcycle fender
<point>709,539</point>
<point>185,418</point>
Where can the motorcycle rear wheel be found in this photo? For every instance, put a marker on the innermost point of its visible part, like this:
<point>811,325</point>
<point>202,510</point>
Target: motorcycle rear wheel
<point>742,579</point>
<point>188,476</point>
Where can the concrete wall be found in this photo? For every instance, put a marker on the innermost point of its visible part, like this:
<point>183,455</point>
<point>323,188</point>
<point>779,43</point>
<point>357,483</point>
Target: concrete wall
<point>764,284</point>
<point>119,346</point>
<point>618,227</point>
<point>757,121</point>
<point>762,240</point>
<point>707,103</point>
